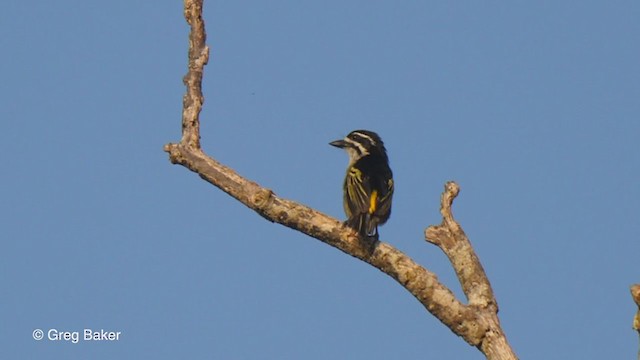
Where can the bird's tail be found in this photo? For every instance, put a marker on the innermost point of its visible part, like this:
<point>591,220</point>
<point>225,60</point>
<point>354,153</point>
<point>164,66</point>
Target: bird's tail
<point>364,224</point>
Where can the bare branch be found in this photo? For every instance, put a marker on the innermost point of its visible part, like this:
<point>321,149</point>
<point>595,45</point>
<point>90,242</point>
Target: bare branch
<point>198,58</point>
<point>450,237</point>
<point>635,294</point>
<point>423,284</point>
<point>477,322</point>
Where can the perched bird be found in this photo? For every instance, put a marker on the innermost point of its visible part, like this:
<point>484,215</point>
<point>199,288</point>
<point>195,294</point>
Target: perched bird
<point>368,185</point>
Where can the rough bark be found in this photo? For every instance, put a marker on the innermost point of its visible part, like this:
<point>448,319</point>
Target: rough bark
<point>476,322</point>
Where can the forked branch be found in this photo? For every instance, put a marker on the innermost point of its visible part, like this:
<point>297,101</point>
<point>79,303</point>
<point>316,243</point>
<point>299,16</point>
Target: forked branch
<point>450,237</point>
<point>476,322</point>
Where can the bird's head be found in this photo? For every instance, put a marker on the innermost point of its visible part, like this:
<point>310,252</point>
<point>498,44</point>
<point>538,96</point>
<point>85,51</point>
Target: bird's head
<point>360,143</point>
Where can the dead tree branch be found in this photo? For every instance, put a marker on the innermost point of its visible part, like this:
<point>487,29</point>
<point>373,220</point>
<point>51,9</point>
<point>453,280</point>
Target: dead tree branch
<point>476,322</point>
<point>452,240</point>
<point>635,294</point>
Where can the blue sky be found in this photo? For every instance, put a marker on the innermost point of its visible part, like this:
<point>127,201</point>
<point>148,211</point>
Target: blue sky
<point>532,107</point>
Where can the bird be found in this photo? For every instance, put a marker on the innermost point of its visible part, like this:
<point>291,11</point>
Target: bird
<point>368,184</point>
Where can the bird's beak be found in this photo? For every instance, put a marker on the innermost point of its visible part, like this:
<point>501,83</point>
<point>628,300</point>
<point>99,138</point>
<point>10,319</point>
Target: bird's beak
<point>339,144</point>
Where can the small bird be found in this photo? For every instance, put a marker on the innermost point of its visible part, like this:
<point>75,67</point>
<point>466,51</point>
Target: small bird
<point>368,185</point>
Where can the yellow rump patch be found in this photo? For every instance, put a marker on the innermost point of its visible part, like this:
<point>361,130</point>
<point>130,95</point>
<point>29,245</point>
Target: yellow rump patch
<point>373,202</point>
